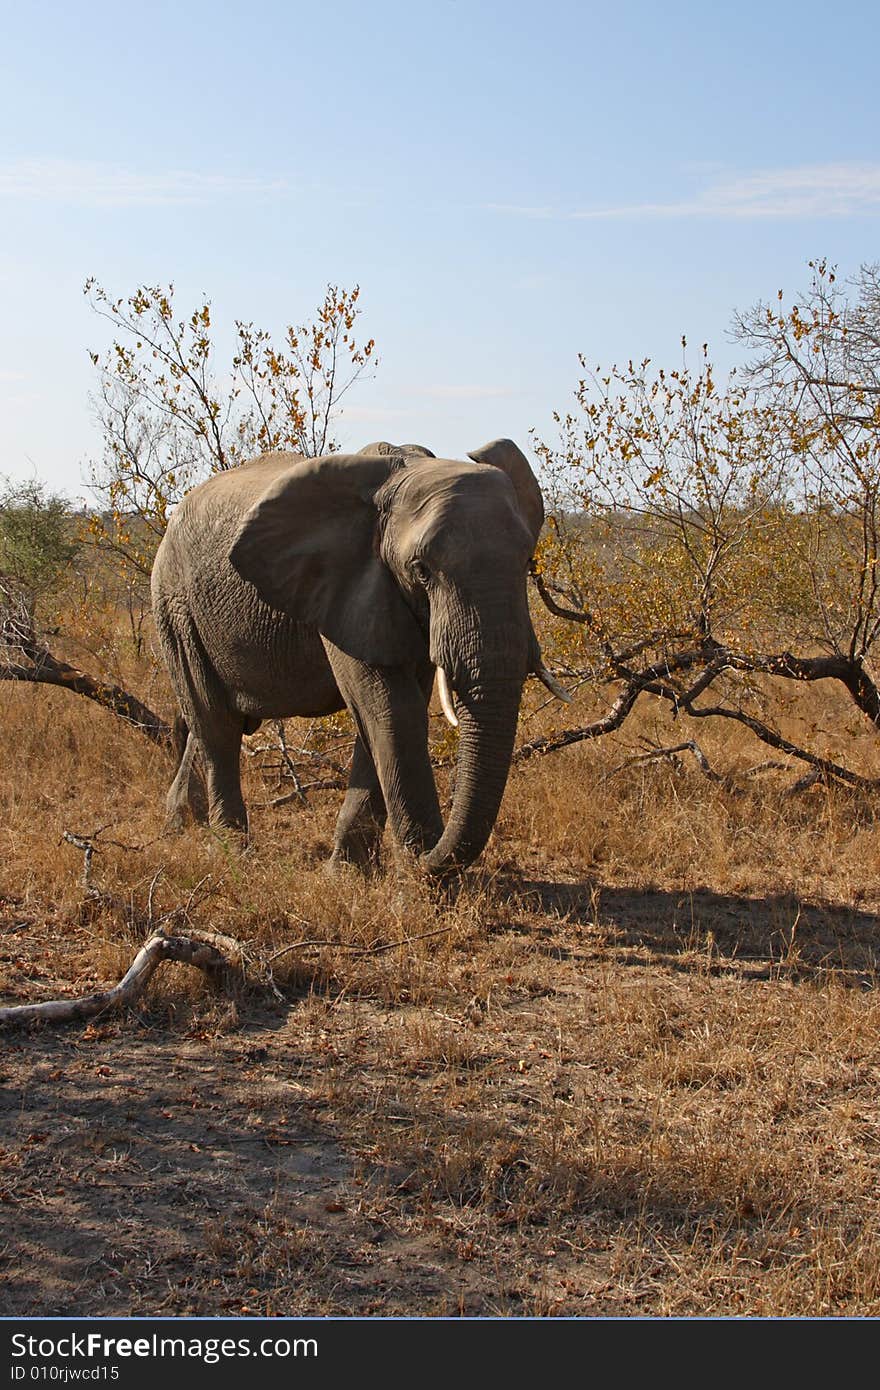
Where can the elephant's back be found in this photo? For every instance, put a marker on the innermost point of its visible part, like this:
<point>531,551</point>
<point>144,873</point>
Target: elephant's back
<point>231,493</point>
<point>269,664</point>
<point>204,525</point>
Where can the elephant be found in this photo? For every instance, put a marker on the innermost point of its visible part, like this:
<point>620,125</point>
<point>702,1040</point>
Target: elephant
<point>300,586</point>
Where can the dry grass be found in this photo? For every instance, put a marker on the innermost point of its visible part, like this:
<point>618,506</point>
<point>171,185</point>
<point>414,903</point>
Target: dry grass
<point>630,1067</point>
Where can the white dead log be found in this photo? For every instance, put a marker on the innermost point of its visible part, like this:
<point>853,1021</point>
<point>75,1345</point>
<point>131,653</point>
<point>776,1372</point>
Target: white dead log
<point>211,954</point>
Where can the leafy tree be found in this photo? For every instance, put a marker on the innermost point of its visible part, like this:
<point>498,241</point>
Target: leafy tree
<point>37,541</point>
<point>677,491</point>
<point>704,536</point>
<point>817,369</point>
<point>171,415</point>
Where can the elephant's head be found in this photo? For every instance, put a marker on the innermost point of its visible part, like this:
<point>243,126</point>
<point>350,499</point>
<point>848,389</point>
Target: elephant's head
<point>398,557</point>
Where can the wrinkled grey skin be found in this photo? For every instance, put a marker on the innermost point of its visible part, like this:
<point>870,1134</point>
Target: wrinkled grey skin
<point>297,587</point>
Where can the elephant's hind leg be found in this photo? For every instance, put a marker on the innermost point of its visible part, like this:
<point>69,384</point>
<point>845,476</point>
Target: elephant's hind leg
<point>220,741</point>
<point>361,821</point>
<point>186,795</point>
<point>215,730</point>
<point>218,738</point>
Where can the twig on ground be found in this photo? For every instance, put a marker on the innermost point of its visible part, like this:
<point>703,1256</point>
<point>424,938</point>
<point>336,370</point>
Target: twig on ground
<point>357,950</point>
<point>84,843</point>
<point>287,761</point>
<point>323,785</point>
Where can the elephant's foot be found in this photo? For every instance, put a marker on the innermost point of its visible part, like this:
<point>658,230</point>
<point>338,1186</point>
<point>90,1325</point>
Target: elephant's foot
<point>360,852</point>
<point>181,812</point>
<point>187,798</point>
<point>177,806</point>
<point>341,869</point>
<point>361,820</point>
<point>197,801</point>
<point>176,821</point>
<point>231,838</point>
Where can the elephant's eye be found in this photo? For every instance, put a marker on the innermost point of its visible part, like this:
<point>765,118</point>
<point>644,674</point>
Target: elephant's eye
<point>419,572</point>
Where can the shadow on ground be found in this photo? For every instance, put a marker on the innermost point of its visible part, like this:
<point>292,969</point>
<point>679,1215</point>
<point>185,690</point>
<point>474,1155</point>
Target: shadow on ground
<point>142,1174</point>
<point>755,936</point>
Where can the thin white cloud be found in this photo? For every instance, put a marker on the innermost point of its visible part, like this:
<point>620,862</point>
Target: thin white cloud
<point>541,280</point>
<point>108,185</point>
<point>426,392</point>
<point>540,214</point>
<point>461,392</point>
<point>8,376</point>
<point>369,413</point>
<point>812,191</point>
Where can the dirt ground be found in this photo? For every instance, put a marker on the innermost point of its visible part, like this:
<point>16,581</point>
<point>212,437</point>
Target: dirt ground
<point>147,1174</point>
<point>143,1173</point>
<point>343,1154</point>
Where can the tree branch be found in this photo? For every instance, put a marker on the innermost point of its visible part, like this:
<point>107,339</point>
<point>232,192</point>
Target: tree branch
<point>40,667</point>
<point>25,657</point>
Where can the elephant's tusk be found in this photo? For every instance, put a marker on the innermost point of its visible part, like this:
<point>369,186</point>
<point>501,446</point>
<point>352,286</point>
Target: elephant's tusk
<point>446,697</point>
<point>553,685</point>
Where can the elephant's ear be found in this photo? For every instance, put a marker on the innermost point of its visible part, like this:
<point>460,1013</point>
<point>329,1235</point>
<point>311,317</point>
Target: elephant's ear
<point>381,446</point>
<point>504,454</point>
<point>309,548</point>
<point>416,451</point>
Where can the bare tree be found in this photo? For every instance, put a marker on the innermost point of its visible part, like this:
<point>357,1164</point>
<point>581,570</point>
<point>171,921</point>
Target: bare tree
<point>170,415</point>
<point>704,536</point>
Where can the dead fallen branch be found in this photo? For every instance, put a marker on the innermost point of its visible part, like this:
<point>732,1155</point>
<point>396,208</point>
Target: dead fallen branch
<point>660,680</point>
<point>23,657</point>
<point>205,953</point>
<point>616,715</point>
<point>671,755</point>
<point>825,767</point>
<point>218,955</point>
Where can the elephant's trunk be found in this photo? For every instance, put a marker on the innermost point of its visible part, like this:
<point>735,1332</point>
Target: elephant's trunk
<point>487,718</point>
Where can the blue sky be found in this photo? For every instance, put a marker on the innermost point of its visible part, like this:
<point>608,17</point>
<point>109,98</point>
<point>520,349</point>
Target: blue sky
<point>509,183</point>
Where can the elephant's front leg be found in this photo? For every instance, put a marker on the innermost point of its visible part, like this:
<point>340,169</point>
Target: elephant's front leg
<point>390,709</point>
<point>362,819</point>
